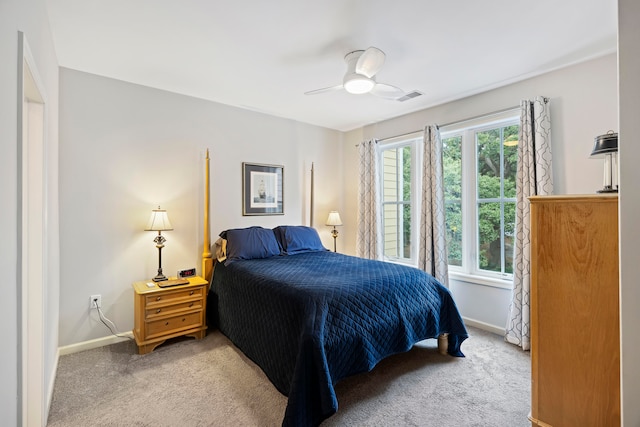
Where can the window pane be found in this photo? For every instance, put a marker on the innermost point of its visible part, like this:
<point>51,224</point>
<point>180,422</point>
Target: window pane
<point>406,230</point>
<point>509,235</point>
<point>397,230</point>
<point>390,221</point>
<point>510,147</point>
<point>454,232</point>
<point>390,175</point>
<point>489,237</point>
<point>488,154</point>
<point>452,165</point>
<point>396,198</point>
<point>406,174</point>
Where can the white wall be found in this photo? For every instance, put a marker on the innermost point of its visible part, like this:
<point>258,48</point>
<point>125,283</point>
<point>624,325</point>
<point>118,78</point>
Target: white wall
<point>30,17</point>
<point>629,86</point>
<point>126,148</point>
<point>583,105</point>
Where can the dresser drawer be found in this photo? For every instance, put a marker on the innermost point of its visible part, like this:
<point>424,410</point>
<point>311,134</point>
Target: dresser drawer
<point>168,310</point>
<point>174,324</point>
<point>170,297</point>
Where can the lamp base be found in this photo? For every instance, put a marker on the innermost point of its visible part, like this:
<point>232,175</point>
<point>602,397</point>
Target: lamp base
<point>160,278</point>
<point>608,189</point>
<point>334,233</point>
<point>159,244</point>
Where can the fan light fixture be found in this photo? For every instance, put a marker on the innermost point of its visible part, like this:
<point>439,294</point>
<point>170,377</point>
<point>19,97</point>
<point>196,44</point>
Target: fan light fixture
<point>358,84</point>
<point>362,67</point>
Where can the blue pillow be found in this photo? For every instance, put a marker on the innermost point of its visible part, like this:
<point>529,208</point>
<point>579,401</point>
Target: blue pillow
<point>295,239</point>
<point>250,243</point>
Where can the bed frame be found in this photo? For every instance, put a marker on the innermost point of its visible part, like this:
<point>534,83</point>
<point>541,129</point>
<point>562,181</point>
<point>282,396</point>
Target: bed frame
<point>207,256</point>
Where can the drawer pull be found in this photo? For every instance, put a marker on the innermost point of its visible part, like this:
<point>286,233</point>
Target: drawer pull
<point>192,292</point>
<point>158,299</point>
<point>183,319</point>
<point>190,305</point>
<point>166,324</point>
<point>158,310</point>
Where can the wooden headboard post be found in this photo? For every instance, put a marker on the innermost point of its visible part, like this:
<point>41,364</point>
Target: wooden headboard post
<point>207,259</point>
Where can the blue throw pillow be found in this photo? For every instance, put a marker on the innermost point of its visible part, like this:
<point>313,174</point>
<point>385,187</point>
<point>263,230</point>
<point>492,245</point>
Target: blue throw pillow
<point>250,243</point>
<point>295,239</point>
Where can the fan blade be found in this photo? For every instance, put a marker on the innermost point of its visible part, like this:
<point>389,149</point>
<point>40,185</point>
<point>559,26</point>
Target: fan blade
<point>370,62</point>
<point>323,90</point>
<point>387,91</point>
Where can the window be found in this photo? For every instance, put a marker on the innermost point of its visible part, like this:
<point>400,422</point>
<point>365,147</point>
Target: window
<point>480,163</point>
<point>398,160</point>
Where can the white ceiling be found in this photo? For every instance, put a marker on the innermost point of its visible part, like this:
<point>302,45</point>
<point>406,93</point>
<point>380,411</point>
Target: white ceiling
<point>263,55</point>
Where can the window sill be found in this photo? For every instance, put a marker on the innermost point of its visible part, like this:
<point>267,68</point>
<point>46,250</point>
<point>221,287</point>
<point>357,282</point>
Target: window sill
<point>480,280</point>
<point>407,262</point>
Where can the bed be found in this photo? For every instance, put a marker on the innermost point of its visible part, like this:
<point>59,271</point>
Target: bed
<point>310,317</point>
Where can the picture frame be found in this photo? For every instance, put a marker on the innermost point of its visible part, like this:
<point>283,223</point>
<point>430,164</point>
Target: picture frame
<point>262,189</point>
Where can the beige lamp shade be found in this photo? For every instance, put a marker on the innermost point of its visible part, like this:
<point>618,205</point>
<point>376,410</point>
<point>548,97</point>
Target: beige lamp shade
<point>159,221</point>
<point>334,218</point>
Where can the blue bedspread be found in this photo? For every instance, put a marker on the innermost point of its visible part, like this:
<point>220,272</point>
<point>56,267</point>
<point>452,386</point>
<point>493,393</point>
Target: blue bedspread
<point>311,319</point>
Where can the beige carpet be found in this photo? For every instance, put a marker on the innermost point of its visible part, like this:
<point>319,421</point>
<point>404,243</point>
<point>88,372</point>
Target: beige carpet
<point>210,383</point>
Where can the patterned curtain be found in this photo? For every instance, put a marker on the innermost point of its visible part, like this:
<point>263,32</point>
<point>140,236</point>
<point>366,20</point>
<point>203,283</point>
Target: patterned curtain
<point>369,228</point>
<point>534,177</point>
<point>432,252</point>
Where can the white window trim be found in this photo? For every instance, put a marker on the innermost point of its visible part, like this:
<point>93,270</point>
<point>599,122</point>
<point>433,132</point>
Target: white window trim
<point>480,280</point>
<point>470,272</point>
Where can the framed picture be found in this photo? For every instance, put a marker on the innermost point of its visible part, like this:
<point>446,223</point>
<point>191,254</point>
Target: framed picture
<point>262,189</point>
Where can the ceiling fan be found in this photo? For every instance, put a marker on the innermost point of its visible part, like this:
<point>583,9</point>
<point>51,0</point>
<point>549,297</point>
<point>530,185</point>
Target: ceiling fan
<point>362,66</point>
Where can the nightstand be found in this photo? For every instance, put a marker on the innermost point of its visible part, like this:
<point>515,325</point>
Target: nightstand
<point>163,313</point>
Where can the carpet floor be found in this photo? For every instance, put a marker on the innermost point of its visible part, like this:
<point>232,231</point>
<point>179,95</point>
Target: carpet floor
<point>209,382</point>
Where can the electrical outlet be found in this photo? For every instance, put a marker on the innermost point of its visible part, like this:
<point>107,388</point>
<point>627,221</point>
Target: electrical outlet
<point>95,300</point>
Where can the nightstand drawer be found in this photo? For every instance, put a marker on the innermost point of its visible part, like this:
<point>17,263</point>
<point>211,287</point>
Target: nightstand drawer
<point>174,324</point>
<point>167,310</point>
<point>169,297</point>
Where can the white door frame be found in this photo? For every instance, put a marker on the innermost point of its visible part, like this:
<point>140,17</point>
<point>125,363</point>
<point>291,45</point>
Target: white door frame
<point>32,238</point>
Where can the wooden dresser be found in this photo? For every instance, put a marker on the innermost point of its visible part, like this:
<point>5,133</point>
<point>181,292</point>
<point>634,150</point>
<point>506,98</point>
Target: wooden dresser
<point>575,351</point>
<point>163,313</point>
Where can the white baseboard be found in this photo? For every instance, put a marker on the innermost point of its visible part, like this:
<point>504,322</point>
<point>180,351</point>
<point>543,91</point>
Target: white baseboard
<point>484,326</point>
<point>98,342</point>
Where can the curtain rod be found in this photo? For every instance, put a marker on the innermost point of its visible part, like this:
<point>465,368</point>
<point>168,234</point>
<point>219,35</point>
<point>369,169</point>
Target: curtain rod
<point>493,113</point>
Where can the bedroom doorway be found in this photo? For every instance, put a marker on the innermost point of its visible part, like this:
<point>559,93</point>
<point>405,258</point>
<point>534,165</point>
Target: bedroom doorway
<point>31,238</point>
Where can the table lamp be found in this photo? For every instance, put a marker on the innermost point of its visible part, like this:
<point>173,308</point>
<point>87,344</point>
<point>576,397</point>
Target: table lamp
<point>334,219</point>
<point>159,221</point>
